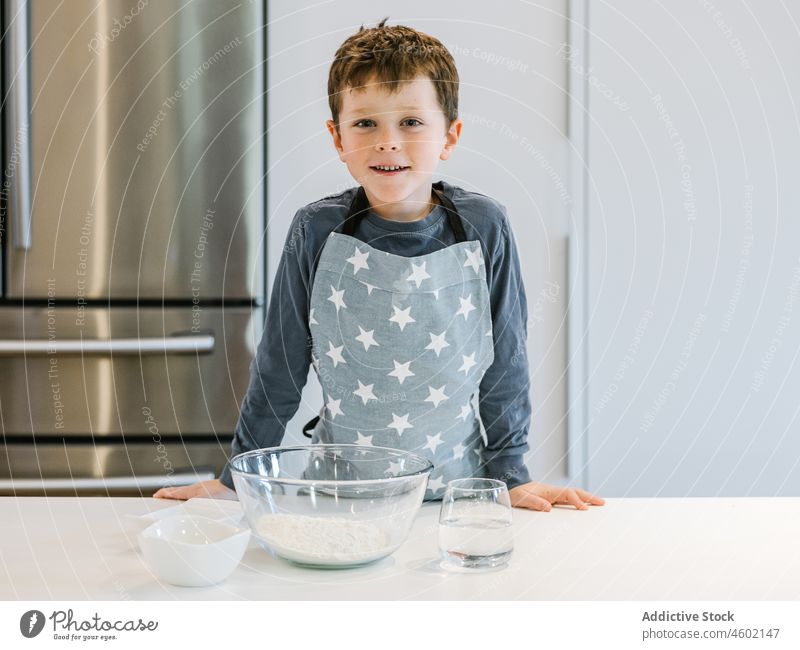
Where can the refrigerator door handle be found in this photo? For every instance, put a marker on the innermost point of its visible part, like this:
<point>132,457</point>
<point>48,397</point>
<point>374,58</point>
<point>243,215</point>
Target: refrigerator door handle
<point>18,149</point>
<point>200,344</point>
<point>110,483</point>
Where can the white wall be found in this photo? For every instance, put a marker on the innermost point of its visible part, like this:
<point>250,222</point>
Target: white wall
<point>694,263</point>
<point>512,148</point>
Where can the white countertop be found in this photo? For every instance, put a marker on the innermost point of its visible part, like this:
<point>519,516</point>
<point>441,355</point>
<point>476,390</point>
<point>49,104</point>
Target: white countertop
<point>629,549</point>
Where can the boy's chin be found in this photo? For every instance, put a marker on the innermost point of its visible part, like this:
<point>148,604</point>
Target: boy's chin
<point>386,193</point>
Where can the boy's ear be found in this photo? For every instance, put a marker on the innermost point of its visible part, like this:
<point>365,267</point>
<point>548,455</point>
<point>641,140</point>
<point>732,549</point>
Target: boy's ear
<point>451,138</point>
<point>337,139</point>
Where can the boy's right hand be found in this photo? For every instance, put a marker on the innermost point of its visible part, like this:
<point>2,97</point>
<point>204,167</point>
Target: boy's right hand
<point>213,489</point>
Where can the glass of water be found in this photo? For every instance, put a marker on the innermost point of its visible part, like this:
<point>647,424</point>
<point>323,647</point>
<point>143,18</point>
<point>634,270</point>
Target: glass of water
<point>475,523</point>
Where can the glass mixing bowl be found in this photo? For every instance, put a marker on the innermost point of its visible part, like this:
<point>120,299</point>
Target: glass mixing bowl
<point>328,505</point>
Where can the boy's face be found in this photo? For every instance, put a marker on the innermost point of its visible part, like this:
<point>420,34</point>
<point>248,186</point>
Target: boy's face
<point>406,128</point>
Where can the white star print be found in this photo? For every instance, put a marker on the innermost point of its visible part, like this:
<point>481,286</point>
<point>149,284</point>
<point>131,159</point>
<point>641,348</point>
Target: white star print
<point>402,317</point>
<point>400,423</point>
<point>369,286</point>
<point>419,274</point>
<point>366,338</point>
<point>466,307</point>
<point>337,298</point>
<point>333,408</point>
<point>401,370</point>
<point>469,361</point>
<point>363,440</point>
<point>435,293</point>
<point>437,342</point>
<point>335,354</point>
<point>365,392</point>
<point>458,451</point>
<point>474,259</point>
<point>436,396</point>
<point>433,442</point>
<point>435,484</point>
<point>359,261</point>
<point>465,410</point>
<point>394,467</point>
<point>311,319</point>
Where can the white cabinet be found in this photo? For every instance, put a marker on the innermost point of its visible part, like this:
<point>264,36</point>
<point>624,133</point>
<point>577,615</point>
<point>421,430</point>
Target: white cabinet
<point>692,262</point>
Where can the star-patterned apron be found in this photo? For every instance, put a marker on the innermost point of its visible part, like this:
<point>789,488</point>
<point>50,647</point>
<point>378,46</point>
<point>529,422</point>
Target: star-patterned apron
<point>400,345</point>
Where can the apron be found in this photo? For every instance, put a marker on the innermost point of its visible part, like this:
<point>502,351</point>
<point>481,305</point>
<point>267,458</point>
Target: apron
<point>400,345</point>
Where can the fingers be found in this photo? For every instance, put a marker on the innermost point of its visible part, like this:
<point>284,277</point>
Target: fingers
<point>588,497</point>
<point>581,499</point>
<point>570,497</point>
<point>539,496</point>
<point>181,493</point>
<point>213,489</point>
<point>530,501</point>
<point>165,493</point>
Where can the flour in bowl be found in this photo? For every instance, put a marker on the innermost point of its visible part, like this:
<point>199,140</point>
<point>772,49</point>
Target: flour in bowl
<point>323,540</point>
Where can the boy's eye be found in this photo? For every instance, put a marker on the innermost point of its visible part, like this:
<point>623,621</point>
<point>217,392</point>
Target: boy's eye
<point>367,122</point>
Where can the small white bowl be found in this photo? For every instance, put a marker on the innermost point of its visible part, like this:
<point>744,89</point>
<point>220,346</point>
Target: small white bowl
<point>193,551</point>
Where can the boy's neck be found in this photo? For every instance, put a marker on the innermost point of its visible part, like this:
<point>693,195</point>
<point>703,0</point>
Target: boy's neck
<point>405,211</point>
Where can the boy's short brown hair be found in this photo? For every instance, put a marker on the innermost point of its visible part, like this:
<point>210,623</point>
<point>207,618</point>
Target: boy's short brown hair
<point>394,55</point>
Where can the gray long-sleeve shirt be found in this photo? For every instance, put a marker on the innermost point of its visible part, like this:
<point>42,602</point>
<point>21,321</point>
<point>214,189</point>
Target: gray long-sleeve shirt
<point>280,368</point>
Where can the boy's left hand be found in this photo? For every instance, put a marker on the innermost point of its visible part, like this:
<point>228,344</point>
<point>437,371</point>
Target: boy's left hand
<point>539,496</point>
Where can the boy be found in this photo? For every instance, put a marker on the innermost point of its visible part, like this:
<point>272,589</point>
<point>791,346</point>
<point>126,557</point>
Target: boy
<point>410,291</point>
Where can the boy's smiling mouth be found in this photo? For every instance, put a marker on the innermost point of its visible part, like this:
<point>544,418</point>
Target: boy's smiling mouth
<point>389,170</point>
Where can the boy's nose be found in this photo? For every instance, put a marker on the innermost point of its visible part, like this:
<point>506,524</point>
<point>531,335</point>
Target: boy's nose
<point>387,139</point>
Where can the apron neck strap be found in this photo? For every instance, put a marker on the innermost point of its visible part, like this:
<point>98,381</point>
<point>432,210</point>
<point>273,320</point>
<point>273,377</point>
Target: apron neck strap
<point>360,207</point>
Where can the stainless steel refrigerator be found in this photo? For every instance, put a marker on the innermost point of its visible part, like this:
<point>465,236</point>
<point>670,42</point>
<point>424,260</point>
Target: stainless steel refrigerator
<point>132,208</point>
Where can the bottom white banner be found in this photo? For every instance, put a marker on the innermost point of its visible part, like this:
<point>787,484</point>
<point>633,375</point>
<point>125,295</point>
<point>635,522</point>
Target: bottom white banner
<point>355,624</point>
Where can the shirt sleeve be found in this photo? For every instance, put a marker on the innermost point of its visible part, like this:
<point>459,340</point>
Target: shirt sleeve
<point>504,400</point>
<point>279,370</point>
